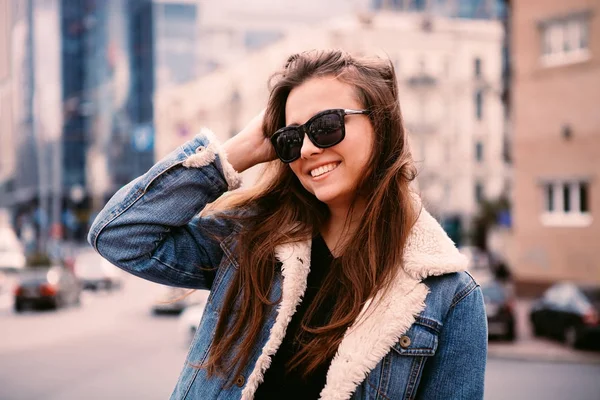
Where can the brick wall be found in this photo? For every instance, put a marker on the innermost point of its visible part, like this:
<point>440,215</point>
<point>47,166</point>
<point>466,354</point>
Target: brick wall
<point>545,100</point>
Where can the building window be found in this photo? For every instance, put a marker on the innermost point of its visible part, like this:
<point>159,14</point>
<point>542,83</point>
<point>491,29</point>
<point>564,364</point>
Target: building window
<point>479,152</point>
<point>478,192</point>
<point>566,204</point>
<point>566,190</point>
<point>478,67</point>
<point>565,40</point>
<point>583,198</point>
<point>549,198</point>
<point>479,104</point>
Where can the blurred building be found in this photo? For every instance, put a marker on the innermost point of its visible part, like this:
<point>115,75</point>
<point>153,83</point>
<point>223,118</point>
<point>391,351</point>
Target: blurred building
<point>450,76</point>
<point>7,131</point>
<point>34,184</point>
<point>556,89</point>
<point>231,29</point>
<point>85,73</point>
<point>241,27</point>
<point>468,9</point>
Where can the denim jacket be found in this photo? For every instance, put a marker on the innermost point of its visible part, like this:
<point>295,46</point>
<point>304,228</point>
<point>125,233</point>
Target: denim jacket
<point>426,338</point>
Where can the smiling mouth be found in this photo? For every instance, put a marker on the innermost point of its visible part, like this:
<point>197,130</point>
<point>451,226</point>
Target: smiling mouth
<point>322,170</point>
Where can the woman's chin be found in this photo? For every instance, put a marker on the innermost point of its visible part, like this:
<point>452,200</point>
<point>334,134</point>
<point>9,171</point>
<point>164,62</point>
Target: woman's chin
<point>328,197</point>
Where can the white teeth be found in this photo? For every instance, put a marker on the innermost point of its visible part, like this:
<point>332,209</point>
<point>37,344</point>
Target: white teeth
<point>323,169</point>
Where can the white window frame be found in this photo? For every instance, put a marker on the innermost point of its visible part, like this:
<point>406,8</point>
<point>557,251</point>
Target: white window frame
<point>559,217</point>
<point>555,34</point>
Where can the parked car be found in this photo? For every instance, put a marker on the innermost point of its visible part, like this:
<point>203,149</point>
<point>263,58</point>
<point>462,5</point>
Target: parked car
<point>50,287</point>
<point>95,272</point>
<point>174,300</point>
<point>500,309</point>
<point>568,312</point>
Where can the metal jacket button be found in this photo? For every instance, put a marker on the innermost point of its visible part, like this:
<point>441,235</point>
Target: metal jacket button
<point>404,341</point>
<point>240,380</point>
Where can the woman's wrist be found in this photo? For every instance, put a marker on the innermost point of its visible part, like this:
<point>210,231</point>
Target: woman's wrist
<point>239,154</point>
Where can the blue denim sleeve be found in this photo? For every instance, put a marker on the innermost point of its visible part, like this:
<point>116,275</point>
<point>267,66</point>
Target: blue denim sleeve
<point>457,371</point>
<point>151,227</point>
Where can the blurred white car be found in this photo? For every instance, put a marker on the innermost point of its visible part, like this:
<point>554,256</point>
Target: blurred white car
<point>95,272</point>
<point>173,300</point>
<point>191,316</point>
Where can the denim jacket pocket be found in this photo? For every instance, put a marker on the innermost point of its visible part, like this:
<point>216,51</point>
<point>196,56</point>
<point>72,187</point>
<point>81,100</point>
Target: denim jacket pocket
<point>401,369</point>
<point>420,340</point>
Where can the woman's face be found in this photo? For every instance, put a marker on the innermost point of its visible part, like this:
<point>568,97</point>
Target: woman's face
<point>343,164</point>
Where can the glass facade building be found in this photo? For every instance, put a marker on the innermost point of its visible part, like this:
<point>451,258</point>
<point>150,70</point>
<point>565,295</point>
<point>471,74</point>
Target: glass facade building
<point>471,9</point>
<point>114,55</point>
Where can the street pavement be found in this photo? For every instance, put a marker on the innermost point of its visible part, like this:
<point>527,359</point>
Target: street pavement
<point>112,347</point>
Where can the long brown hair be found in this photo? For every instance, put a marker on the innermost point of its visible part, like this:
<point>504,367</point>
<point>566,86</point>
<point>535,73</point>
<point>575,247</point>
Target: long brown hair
<point>284,212</point>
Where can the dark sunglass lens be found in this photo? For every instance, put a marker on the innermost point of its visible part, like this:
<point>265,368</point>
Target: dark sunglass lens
<point>288,145</point>
<point>327,130</point>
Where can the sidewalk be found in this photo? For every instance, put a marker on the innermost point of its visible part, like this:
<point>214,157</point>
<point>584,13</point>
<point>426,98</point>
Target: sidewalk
<point>529,348</point>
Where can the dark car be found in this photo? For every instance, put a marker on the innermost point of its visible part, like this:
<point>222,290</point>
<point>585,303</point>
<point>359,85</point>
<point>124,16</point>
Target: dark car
<point>568,312</point>
<point>48,287</point>
<point>500,310</point>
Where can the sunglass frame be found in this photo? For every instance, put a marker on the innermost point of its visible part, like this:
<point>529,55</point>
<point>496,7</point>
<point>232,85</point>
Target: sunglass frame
<point>304,129</point>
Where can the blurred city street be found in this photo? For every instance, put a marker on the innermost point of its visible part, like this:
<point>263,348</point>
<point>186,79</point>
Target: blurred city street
<point>112,347</point>
<point>499,100</point>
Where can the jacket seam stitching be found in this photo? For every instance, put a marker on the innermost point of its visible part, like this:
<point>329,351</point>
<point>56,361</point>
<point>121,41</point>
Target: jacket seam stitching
<point>178,271</point>
<point>413,377</point>
<point>429,323</point>
<point>225,246</point>
<point>381,377</point>
<point>461,295</point>
<point>187,391</point>
<point>387,364</point>
<point>378,391</point>
<point>196,369</point>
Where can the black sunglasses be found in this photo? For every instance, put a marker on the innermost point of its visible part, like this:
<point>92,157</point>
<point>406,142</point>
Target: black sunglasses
<point>325,129</point>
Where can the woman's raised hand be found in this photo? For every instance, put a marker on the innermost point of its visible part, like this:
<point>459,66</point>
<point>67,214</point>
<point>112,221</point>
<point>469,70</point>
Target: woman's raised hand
<point>249,147</point>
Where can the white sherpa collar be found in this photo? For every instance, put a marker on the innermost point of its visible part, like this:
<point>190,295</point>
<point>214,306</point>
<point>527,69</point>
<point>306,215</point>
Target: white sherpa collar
<point>429,252</point>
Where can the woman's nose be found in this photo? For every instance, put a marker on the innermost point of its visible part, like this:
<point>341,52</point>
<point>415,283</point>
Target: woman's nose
<point>308,148</point>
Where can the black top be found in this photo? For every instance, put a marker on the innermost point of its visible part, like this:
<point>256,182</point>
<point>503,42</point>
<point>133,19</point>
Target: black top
<point>278,383</point>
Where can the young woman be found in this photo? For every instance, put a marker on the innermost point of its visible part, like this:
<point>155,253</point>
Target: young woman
<point>328,279</point>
